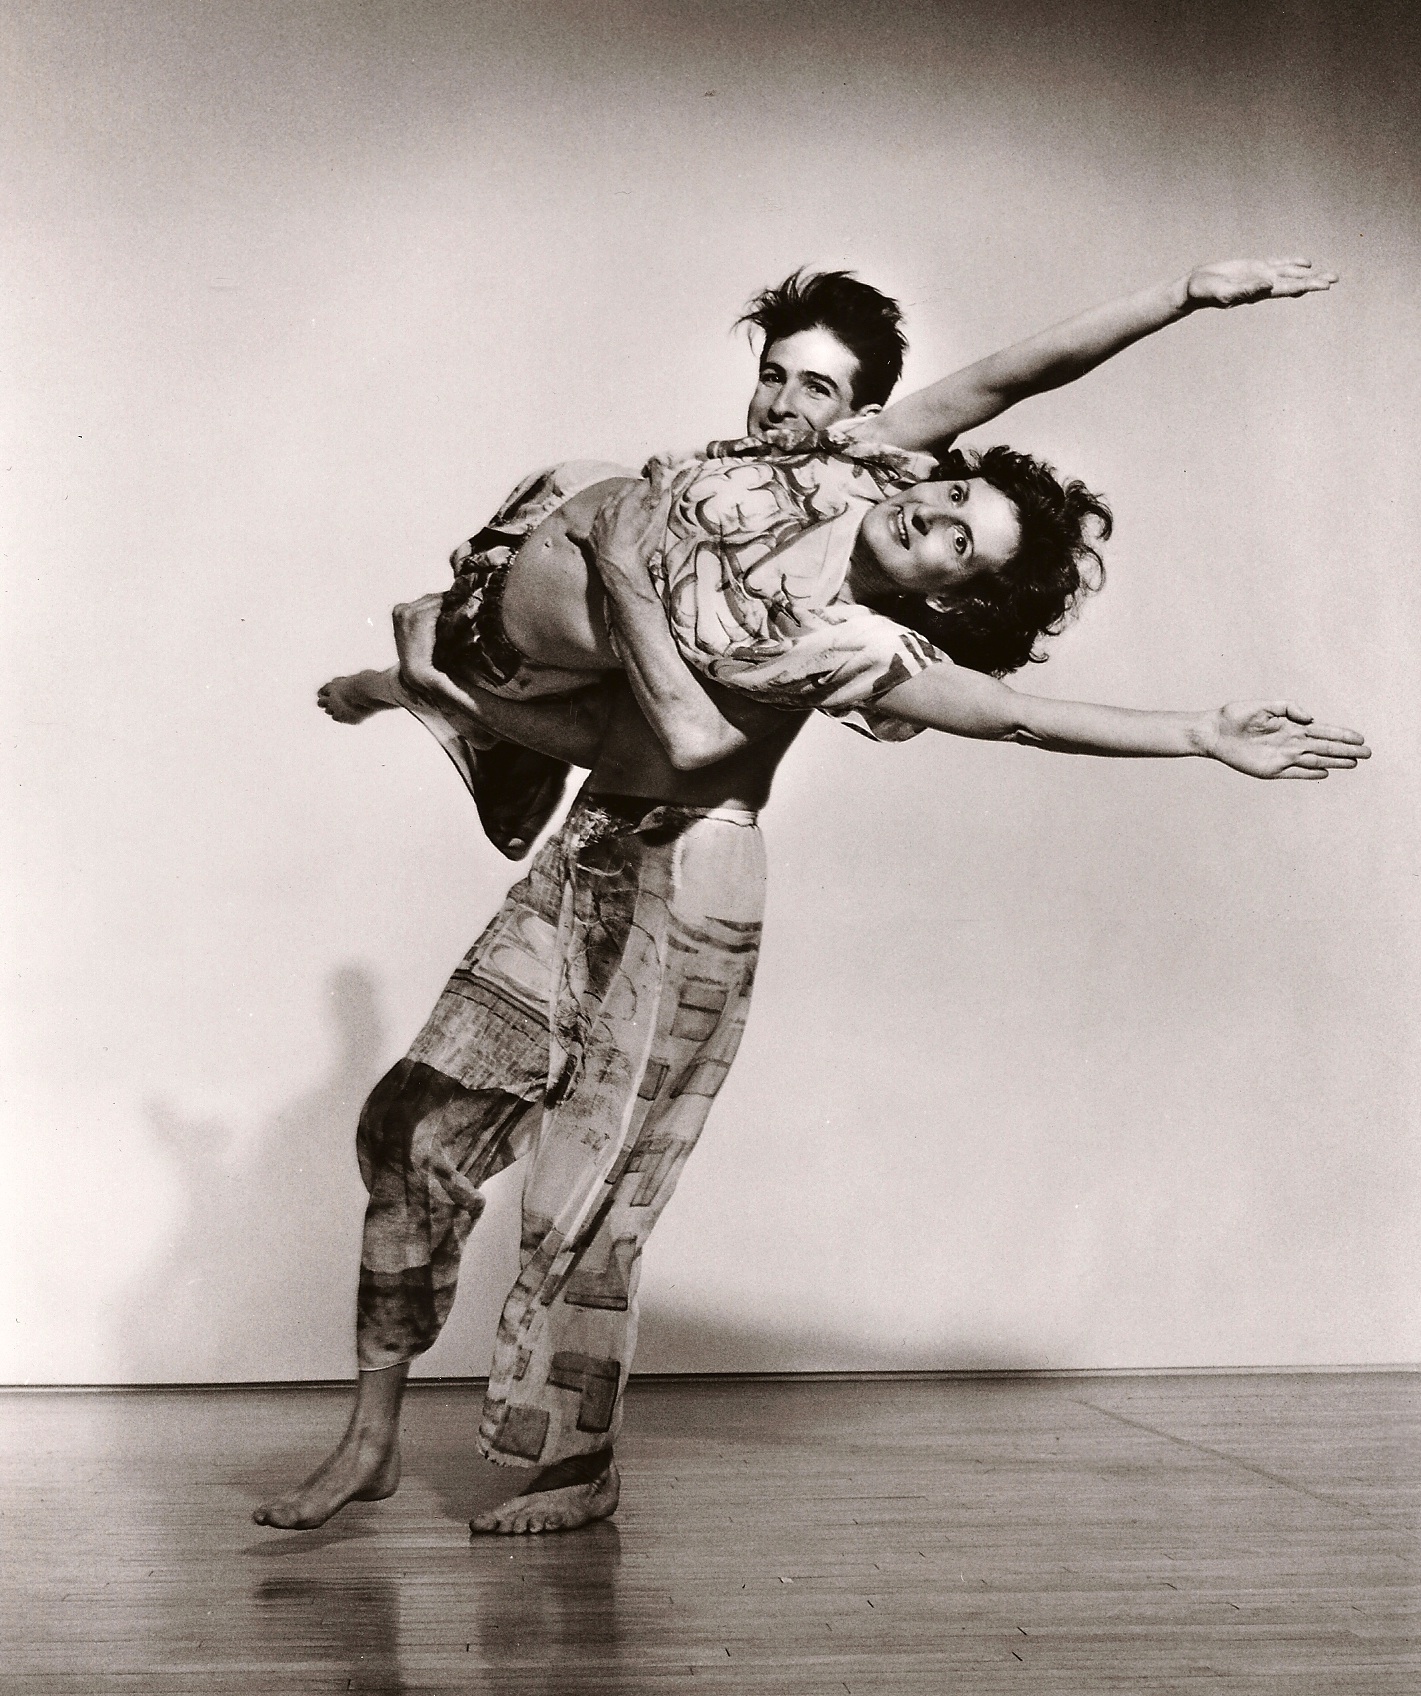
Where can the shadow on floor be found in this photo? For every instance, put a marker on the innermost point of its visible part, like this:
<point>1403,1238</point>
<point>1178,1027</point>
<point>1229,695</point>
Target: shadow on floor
<point>349,1631</point>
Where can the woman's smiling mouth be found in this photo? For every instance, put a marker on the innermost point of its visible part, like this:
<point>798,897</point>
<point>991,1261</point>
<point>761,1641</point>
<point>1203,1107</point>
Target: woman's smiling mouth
<point>900,524</point>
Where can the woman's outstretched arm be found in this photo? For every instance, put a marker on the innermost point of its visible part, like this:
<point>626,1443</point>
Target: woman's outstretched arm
<point>1261,739</point>
<point>932,417</point>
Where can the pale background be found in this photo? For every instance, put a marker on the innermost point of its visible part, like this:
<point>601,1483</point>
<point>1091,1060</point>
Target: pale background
<point>1055,1063</point>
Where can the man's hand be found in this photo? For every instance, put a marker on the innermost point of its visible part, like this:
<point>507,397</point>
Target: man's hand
<point>627,533</point>
<point>565,728</point>
<point>1278,739</point>
<point>1239,282</point>
<point>414,623</point>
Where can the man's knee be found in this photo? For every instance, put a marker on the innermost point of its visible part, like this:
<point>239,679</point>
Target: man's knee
<point>387,1138</point>
<point>419,1123</point>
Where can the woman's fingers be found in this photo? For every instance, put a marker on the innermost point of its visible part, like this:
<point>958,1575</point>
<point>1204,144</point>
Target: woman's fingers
<point>1313,758</point>
<point>1299,276</point>
<point>1339,733</point>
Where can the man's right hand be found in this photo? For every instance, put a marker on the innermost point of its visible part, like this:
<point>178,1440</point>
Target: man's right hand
<point>414,623</point>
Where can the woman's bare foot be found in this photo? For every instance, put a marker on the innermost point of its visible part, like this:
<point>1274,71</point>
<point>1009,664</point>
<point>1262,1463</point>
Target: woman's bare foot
<point>351,700</point>
<point>560,1498</point>
<point>355,1471</point>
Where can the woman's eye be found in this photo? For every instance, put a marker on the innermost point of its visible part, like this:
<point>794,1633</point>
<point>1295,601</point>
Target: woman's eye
<point>959,543</point>
<point>957,494</point>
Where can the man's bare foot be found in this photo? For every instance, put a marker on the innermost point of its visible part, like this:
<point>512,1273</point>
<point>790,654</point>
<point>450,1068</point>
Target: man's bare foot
<point>356,1471</point>
<point>351,700</point>
<point>559,1499</point>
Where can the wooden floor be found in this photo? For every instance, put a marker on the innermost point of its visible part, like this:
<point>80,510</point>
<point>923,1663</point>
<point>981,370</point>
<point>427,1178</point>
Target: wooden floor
<point>969,1536</point>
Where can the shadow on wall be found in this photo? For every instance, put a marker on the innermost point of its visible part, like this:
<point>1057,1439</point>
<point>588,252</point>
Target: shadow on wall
<point>258,1280</point>
<point>268,1232</point>
<point>673,1338</point>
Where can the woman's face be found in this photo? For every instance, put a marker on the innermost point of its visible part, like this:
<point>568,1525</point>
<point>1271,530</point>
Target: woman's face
<point>936,537</point>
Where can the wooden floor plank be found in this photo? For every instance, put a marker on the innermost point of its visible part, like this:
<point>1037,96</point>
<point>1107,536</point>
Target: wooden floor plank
<point>1250,1534</point>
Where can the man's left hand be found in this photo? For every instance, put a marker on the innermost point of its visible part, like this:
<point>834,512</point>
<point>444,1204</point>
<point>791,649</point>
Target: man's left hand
<point>627,534</point>
<point>414,623</point>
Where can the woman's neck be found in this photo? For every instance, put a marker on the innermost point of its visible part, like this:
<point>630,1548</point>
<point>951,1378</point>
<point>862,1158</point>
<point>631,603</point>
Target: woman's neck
<point>865,580</point>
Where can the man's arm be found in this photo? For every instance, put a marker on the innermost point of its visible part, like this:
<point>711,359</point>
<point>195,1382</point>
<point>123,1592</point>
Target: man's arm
<point>570,729</point>
<point>932,417</point>
<point>694,729</point>
<point>1272,739</point>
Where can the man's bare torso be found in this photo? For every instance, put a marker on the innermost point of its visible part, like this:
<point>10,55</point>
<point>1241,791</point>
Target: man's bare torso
<point>632,761</point>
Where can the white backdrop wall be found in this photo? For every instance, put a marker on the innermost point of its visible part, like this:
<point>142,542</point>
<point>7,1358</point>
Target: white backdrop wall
<point>1054,1062</point>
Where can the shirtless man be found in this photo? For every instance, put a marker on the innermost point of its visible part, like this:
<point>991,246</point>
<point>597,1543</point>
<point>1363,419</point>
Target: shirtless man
<point>526,615</point>
<point>649,897</point>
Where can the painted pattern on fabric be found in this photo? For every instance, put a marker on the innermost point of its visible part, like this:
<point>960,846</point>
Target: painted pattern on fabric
<point>759,533</point>
<point>750,565</point>
<point>589,1027</point>
<point>657,948</point>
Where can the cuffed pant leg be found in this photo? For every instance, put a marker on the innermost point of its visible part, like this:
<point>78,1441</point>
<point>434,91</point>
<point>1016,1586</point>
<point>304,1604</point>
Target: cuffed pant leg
<point>656,962</point>
<point>461,1105</point>
<point>426,1144</point>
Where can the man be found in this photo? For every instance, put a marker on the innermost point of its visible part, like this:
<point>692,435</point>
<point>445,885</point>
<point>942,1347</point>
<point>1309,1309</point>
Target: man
<point>594,1020</point>
<point>639,925</point>
<point>468,1097</point>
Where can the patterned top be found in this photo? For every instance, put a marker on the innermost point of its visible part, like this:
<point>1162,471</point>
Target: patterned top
<point>752,567</point>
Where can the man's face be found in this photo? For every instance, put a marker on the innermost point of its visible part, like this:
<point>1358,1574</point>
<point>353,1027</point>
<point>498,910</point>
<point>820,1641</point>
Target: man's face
<point>806,378</point>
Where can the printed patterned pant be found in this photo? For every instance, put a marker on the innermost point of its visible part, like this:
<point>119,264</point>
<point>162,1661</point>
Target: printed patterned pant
<point>589,1027</point>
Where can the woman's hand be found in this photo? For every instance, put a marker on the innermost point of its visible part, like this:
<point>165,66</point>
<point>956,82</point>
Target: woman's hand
<point>1278,739</point>
<point>1239,282</point>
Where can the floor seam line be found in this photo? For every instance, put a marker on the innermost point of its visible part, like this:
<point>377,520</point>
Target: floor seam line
<point>1233,1460</point>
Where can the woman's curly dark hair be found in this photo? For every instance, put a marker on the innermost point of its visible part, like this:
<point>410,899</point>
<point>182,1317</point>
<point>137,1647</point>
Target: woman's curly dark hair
<point>995,622</point>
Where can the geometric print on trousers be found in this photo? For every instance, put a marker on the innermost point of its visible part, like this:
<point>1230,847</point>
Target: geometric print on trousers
<point>657,946</point>
<point>634,937</point>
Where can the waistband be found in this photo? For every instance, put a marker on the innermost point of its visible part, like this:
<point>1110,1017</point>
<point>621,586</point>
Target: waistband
<point>643,812</point>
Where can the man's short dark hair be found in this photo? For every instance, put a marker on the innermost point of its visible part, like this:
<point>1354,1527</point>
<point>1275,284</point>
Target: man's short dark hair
<point>868,323</point>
